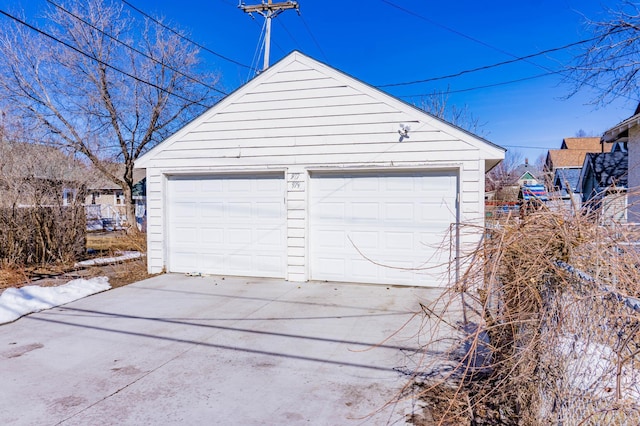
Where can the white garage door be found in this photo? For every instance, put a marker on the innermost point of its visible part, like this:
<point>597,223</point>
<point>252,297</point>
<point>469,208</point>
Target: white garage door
<point>387,228</point>
<point>228,225</point>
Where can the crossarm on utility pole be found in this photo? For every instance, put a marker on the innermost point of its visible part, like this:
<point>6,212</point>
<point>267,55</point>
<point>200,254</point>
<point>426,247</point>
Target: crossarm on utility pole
<point>269,10</point>
<point>269,7</point>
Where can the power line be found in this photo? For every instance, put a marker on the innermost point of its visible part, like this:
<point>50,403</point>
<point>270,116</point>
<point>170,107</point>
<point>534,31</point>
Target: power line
<point>313,38</point>
<point>502,83</point>
<point>486,67</point>
<point>135,49</point>
<point>286,30</point>
<point>233,61</point>
<point>516,58</point>
<point>526,147</point>
<point>438,24</point>
<point>257,52</point>
<point>461,34</point>
<point>44,33</point>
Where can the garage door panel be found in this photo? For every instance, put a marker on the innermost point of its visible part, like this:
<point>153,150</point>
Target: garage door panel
<point>269,238</point>
<point>183,187</point>
<point>210,210</point>
<point>364,240</point>
<point>185,235</point>
<point>238,185</point>
<point>268,210</point>
<point>186,258</point>
<point>267,185</point>
<point>395,211</point>
<point>212,185</point>
<point>183,210</point>
<point>365,185</point>
<point>395,234</point>
<point>365,211</point>
<point>399,240</point>
<point>231,224</point>
<point>238,237</point>
<point>239,209</point>
<point>363,270</point>
<point>329,238</point>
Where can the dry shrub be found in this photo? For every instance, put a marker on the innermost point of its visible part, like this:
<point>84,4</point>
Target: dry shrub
<point>42,234</point>
<point>11,276</point>
<point>548,332</point>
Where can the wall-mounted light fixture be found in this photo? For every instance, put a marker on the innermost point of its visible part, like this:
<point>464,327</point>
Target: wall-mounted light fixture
<point>404,131</point>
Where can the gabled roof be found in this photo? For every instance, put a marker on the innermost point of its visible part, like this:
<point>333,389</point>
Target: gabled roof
<point>522,170</point>
<point>590,144</point>
<point>561,158</point>
<point>608,169</point>
<point>621,130</point>
<point>491,153</point>
<point>101,182</point>
<point>20,160</point>
<point>527,175</point>
<point>566,179</point>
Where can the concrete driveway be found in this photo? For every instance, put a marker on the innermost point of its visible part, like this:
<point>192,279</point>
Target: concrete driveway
<point>213,350</point>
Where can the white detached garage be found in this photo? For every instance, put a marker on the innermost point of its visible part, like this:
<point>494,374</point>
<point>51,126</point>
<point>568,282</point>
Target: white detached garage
<point>306,173</point>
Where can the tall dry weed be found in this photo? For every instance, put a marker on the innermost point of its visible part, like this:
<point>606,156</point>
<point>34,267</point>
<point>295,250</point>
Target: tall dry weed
<point>550,324</point>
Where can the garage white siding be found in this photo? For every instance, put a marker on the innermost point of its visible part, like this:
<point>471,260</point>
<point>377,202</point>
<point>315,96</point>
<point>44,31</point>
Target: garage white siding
<point>302,117</point>
<point>385,228</point>
<point>227,224</point>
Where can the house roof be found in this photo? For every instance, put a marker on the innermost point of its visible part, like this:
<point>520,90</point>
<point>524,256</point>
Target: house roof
<point>621,129</point>
<point>567,178</point>
<point>609,169</point>
<point>490,152</point>
<point>590,144</point>
<point>20,160</point>
<point>521,171</point>
<point>566,157</point>
<point>101,182</point>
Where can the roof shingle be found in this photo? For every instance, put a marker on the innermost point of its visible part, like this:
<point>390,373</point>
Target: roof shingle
<point>591,144</point>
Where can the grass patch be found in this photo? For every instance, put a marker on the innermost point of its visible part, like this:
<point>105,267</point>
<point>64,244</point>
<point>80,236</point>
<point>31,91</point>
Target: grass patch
<point>112,242</point>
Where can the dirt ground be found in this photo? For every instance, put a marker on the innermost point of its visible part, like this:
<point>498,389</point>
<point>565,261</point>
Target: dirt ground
<point>106,244</point>
<point>119,274</point>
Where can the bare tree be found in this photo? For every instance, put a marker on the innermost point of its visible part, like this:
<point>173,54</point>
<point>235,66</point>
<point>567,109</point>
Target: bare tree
<point>437,103</point>
<point>502,176</point>
<point>98,82</point>
<point>611,62</point>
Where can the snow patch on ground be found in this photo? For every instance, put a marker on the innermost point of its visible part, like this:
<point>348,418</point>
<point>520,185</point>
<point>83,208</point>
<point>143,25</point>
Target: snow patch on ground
<point>591,367</point>
<point>126,255</point>
<point>16,302</point>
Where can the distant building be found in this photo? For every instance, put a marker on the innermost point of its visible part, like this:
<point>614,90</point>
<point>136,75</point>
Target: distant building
<point>626,135</point>
<point>105,201</point>
<point>603,183</point>
<point>563,166</point>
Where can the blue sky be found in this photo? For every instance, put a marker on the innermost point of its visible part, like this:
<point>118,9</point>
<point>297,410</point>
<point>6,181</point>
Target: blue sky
<point>396,41</point>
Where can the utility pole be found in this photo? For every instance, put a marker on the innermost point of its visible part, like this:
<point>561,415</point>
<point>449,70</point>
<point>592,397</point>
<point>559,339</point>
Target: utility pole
<point>269,10</point>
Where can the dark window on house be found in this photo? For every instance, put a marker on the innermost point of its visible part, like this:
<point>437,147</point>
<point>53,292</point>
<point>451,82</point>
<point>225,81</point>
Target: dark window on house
<point>119,198</point>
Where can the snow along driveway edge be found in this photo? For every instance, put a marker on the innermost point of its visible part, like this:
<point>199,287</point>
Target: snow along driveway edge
<point>17,302</point>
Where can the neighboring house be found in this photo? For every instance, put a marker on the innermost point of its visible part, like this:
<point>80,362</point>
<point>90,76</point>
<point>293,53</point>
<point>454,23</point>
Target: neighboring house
<point>510,187</point>
<point>626,135</point>
<point>34,174</point>
<point>305,173</point>
<point>105,201</point>
<point>603,184</point>
<point>525,174</point>
<point>563,166</point>
<point>587,144</point>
